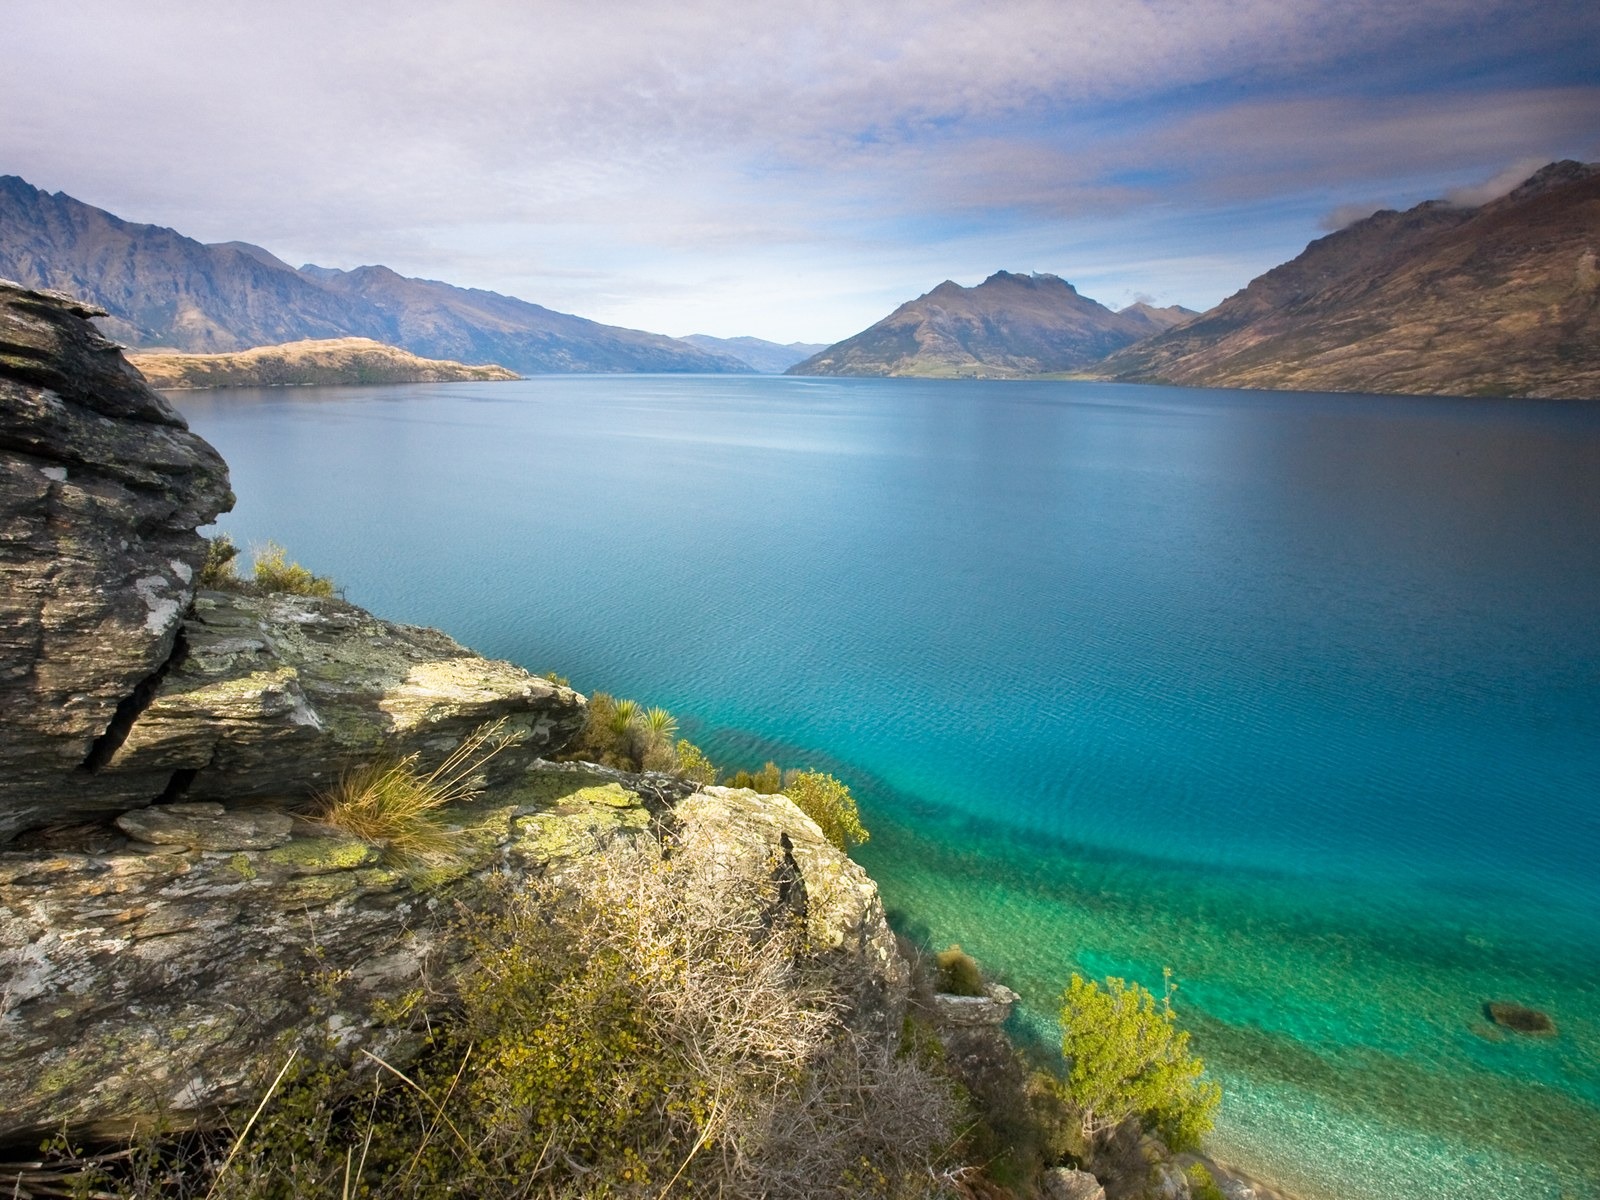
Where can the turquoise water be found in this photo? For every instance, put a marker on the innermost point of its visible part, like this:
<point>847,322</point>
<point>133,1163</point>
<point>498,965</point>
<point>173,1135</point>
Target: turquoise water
<point>1298,695</point>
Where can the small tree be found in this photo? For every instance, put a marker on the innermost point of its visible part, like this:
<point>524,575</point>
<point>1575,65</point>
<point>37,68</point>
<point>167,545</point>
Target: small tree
<point>1127,1058</point>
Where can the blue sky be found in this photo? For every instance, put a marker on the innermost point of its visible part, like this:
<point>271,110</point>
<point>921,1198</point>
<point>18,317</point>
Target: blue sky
<point>795,172</point>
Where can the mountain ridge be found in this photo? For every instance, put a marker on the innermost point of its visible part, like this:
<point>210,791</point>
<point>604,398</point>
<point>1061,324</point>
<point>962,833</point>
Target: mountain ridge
<point>163,289</point>
<point>1500,299</point>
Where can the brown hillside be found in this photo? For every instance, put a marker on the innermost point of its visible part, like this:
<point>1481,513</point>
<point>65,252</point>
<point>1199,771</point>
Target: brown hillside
<point>317,361</point>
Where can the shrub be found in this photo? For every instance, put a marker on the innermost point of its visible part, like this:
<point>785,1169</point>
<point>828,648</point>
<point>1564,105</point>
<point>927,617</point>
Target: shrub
<point>1202,1185</point>
<point>958,973</point>
<point>692,763</point>
<point>391,803</point>
<point>829,803</point>
<point>274,573</point>
<point>219,571</point>
<point>768,780</point>
<point>1126,1058</point>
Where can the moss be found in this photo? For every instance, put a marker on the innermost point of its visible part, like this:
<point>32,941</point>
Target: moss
<point>318,855</point>
<point>546,789</point>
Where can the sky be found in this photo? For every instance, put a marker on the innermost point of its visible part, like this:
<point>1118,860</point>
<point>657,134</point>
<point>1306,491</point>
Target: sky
<point>792,171</point>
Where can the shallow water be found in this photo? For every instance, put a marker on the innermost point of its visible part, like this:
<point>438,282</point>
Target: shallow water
<point>1299,695</point>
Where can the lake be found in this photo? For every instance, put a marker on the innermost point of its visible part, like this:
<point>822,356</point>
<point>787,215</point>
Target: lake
<point>1298,695</point>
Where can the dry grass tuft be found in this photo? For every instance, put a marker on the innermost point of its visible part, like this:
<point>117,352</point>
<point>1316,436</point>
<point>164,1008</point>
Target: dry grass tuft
<point>392,804</point>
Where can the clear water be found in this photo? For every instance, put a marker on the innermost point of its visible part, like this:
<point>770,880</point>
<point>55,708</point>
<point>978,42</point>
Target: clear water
<point>1299,695</point>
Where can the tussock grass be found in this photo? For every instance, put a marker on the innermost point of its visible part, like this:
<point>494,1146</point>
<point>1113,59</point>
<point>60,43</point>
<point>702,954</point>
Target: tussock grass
<point>392,803</point>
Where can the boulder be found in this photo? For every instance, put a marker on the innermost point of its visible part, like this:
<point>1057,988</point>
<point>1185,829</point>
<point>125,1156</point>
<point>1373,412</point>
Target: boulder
<point>992,1008</point>
<point>102,487</point>
<point>1065,1183</point>
<point>839,901</point>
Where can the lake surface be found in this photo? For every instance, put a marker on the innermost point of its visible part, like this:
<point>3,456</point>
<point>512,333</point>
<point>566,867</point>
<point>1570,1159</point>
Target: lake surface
<point>1296,694</point>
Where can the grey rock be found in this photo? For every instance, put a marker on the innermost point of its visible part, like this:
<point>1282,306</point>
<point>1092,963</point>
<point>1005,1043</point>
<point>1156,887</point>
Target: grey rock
<point>102,487</point>
<point>993,1008</point>
<point>278,694</point>
<point>207,827</point>
<point>1065,1183</point>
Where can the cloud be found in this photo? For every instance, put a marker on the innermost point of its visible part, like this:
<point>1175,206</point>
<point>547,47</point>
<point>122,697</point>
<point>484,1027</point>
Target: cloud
<point>1348,214</point>
<point>1500,184</point>
<point>505,145</point>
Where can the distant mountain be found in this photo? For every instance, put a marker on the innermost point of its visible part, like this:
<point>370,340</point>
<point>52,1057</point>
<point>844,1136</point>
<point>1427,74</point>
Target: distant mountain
<point>1157,320</point>
<point>164,289</point>
<point>321,362</point>
<point>1009,325</point>
<point>770,358</point>
<point>1499,300</point>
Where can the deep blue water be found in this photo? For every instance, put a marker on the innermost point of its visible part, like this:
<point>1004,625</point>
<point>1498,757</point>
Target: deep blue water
<point>1297,694</point>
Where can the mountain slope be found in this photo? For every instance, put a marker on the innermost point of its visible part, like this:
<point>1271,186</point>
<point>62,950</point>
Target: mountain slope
<point>770,358</point>
<point>164,289</point>
<point>1008,325</point>
<point>1498,300</point>
<point>297,364</point>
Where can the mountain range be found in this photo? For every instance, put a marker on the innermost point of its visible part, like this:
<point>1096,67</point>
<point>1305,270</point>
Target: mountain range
<point>163,289</point>
<point>1501,299</point>
<point>770,358</point>
<point>1008,325</point>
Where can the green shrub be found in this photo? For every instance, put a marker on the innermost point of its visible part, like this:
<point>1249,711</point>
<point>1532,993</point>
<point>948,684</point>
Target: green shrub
<point>1202,1186</point>
<point>692,763</point>
<point>829,803</point>
<point>1126,1058</point>
<point>958,973</point>
<point>219,571</point>
<point>768,780</point>
<point>274,573</point>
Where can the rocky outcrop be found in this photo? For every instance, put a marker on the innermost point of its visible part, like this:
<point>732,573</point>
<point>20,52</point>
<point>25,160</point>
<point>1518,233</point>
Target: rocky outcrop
<point>1065,1183</point>
<point>101,489</point>
<point>161,974</point>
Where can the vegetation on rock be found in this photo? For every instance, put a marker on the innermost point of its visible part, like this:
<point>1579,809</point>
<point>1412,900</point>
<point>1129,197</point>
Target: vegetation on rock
<point>645,1027</point>
<point>271,571</point>
<point>958,973</point>
<point>392,803</point>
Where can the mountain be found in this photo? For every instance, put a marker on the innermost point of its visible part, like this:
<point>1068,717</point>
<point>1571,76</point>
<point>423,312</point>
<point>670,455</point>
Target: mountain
<point>163,289</point>
<point>319,362</point>
<point>1157,320</point>
<point>1009,325</point>
<point>1502,299</point>
<point>770,358</point>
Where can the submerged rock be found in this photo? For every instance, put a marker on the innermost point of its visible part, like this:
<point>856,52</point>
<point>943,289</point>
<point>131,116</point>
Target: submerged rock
<point>1520,1019</point>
